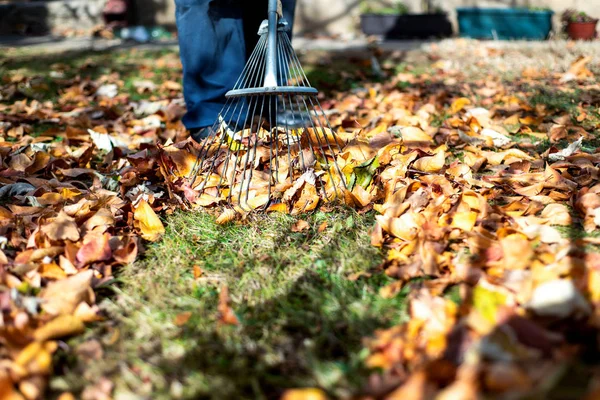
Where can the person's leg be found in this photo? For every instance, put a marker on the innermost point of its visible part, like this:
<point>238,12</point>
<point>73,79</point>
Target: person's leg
<point>289,11</point>
<point>211,42</point>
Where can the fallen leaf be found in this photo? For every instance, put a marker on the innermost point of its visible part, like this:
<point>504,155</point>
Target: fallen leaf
<point>431,164</point>
<point>62,297</point>
<point>304,394</point>
<point>300,226</point>
<point>226,314</point>
<point>226,216</point>
<point>149,224</point>
<point>59,327</point>
<point>95,248</point>
<point>62,227</point>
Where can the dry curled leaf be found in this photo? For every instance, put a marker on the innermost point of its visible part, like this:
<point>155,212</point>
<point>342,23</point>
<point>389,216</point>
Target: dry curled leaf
<point>149,224</point>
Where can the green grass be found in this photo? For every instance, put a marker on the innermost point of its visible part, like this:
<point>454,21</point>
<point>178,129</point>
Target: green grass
<point>302,320</point>
<point>556,100</point>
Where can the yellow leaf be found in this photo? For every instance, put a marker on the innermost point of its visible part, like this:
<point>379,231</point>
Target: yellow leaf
<point>594,285</point>
<point>59,327</point>
<point>258,201</point>
<point>183,160</point>
<point>308,201</point>
<point>496,158</point>
<point>226,216</point>
<point>487,299</point>
<point>52,271</point>
<point>304,394</point>
<point>459,104</point>
<point>414,134</point>
<point>361,196</point>
<point>278,207</point>
<point>557,214</point>
<point>148,222</point>
<point>28,353</point>
<point>432,163</point>
<point>322,137</point>
<point>406,227</point>
<point>206,199</point>
<point>464,220</point>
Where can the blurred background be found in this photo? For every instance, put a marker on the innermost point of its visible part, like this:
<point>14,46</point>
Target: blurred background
<point>340,18</point>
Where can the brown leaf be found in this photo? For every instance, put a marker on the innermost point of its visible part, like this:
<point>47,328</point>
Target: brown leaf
<point>62,227</point>
<point>95,247</point>
<point>127,252</point>
<point>300,226</point>
<point>63,297</point>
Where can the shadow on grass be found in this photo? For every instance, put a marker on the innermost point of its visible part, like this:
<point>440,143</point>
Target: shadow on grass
<point>302,320</point>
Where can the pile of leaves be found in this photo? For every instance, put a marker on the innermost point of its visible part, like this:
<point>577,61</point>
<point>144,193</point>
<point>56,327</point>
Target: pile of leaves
<point>75,202</point>
<point>490,206</point>
<point>478,190</point>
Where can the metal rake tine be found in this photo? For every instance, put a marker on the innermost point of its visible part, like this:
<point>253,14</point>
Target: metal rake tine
<point>284,67</point>
<point>332,151</point>
<point>256,57</point>
<point>262,106</point>
<point>252,148</point>
<point>238,158</point>
<point>224,136</point>
<point>315,155</point>
<point>271,154</point>
<point>295,59</point>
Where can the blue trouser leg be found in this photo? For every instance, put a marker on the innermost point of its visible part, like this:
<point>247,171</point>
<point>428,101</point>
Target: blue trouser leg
<point>215,38</point>
<point>211,42</point>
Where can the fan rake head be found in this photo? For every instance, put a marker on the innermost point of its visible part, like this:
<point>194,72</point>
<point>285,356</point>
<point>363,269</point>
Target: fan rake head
<point>271,135</point>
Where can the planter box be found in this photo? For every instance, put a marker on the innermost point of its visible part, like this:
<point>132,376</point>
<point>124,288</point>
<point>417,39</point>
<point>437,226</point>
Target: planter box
<point>406,26</point>
<point>504,23</point>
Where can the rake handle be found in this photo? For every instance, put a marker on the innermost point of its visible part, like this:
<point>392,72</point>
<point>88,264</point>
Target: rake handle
<point>275,10</point>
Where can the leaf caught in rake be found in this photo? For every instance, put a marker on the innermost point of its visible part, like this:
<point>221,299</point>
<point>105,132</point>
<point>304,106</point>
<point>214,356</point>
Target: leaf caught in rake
<point>270,133</point>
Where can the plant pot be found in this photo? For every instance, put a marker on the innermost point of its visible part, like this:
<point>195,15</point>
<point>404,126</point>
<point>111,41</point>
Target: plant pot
<point>406,26</point>
<point>582,30</point>
<point>504,23</point>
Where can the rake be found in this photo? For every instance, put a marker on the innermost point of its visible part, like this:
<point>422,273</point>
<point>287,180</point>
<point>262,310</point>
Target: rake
<point>271,136</point>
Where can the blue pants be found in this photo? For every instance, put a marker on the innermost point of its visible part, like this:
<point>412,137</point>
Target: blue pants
<point>215,39</point>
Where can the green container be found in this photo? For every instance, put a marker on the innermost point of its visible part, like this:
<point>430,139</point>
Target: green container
<point>504,23</point>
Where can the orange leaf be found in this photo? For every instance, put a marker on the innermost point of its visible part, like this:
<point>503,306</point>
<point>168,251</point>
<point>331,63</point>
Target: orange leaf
<point>226,314</point>
<point>95,248</point>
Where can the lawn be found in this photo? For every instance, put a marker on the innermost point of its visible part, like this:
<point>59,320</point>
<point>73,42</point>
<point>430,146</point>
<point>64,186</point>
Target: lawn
<point>477,276</point>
